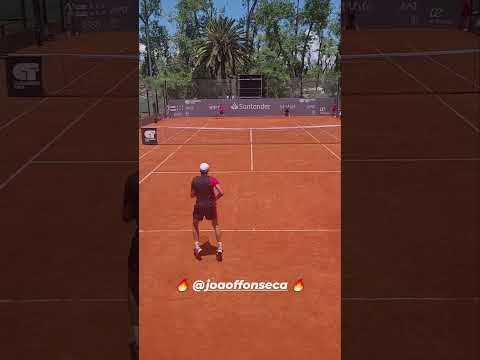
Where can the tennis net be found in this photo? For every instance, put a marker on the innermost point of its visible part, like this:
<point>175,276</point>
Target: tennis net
<point>412,72</point>
<point>81,75</point>
<point>317,134</point>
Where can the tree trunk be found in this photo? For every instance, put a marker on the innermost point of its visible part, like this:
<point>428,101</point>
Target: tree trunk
<point>282,51</point>
<point>223,71</point>
<point>254,35</point>
<point>249,19</point>
<point>304,52</point>
<point>147,34</point>
<point>296,25</point>
<point>247,24</point>
<point>318,62</point>
<point>212,7</point>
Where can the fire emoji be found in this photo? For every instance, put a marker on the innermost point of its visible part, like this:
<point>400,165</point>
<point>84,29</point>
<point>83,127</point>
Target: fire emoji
<point>298,286</point>
<point>183,286</point>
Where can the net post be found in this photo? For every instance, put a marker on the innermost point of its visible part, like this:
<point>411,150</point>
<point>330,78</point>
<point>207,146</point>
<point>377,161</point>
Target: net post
<point>165,97</point>
<point>338,98</point>
<point>156,103</point>
<point>148,103</point>
<point>251,149</point>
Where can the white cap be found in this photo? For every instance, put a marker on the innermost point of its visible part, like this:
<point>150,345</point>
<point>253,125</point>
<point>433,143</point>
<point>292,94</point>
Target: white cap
<point>204,167</point>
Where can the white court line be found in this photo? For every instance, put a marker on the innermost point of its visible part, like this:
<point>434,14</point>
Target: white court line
<point>331,135</point>
<point>465,120</point>
<point>473,299</point>
<point>253,128</point>
<point>86,162</point>
<point>411,159</point>
<point>254,171</point>
<point>410,54</point>
<point>81,55</point>
<point>56,92</point>
<point>449,69</point>
<point>157,146</point>
<point>37,105</point>
<point>242,230</point>
<point>331,151</point>
<point>60,300</point>
<point>148,152</point>
<point>171,154</point>
<point>64,130</point>
<point>318,141</point>
<point>251,150</point>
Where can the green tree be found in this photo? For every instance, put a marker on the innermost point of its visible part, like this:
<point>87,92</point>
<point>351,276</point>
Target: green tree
<point>274,71</point>
<point>190,17</point>
<point>250,6</point>
<point>275,19</point>
<point>290,30</point>
<point>221,46</point>
<point>315,19</point>
<point>148,9</point>
<point>159,48</point>
<point>284,40</point>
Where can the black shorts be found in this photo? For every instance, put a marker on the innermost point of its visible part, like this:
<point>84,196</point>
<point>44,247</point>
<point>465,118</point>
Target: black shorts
<point>208,212</point>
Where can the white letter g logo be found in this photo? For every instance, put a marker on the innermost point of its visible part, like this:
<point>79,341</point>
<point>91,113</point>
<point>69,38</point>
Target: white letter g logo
<point>26,71</point>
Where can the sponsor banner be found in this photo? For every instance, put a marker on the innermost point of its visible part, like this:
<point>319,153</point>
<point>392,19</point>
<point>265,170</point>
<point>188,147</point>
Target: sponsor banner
<point>252,107</point>
<point>106,15</point>
<point>149,136</point>
<point>24,76</point>
<point>406,13</point>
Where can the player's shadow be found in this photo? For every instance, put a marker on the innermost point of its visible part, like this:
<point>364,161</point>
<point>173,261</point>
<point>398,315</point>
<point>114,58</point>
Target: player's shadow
<point>208,249</point>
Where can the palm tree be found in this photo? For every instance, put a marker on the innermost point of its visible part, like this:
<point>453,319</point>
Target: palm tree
<point>222,44</point>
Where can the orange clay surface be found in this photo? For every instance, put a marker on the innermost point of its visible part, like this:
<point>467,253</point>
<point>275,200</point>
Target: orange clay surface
<point>280,219</point>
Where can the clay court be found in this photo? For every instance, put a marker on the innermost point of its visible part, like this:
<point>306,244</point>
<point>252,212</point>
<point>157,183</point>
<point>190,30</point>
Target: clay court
<point>410,161</point>
<point>280,219</point>
<point>280,215</point>
<point>54,162</point>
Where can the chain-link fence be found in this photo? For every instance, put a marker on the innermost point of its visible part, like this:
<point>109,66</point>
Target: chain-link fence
<point>156,94</point>
<point>299,88</point>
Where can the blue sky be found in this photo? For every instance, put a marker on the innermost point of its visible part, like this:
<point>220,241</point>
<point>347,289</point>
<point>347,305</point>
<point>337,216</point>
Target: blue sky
<point>233,8</point>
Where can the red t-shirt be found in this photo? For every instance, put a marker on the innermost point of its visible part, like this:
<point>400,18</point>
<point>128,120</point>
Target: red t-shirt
<point>214,181</point>
<point>204,186</point>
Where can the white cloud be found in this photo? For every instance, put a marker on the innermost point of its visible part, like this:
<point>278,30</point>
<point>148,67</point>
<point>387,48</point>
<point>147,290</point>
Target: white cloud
<point>314,45</point>
<point>141,50</point>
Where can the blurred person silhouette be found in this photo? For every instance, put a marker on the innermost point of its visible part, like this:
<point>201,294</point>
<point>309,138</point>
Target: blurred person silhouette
<point>130,213</point>
<point>38,22</point>
<point>68,17</point>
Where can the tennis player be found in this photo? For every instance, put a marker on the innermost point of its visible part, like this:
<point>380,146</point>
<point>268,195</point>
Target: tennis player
<point>286,111</point>
<point>467,14</point>
<point>130,213</point>
<point>221,110</point>
<point>206,189</point>
<point>68,13</point>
